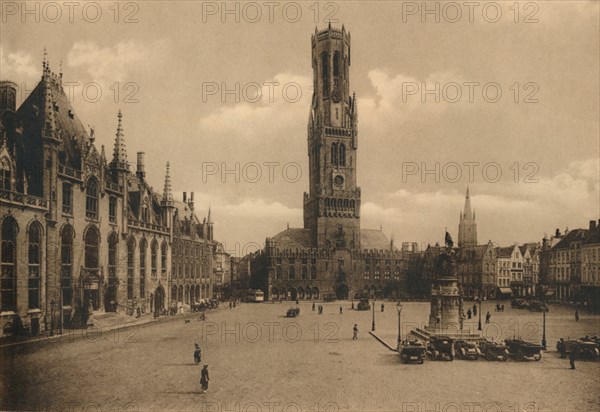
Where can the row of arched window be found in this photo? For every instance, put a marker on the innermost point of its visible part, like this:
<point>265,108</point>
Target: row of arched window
<point>340,203</point>
<point>143,251</point>
<point>377,272</point>
<point>338,154</point>
<point>292,272</point>
<point>337,60</point>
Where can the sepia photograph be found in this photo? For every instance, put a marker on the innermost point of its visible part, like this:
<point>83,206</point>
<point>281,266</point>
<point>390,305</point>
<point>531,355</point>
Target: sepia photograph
<point>300,206</point>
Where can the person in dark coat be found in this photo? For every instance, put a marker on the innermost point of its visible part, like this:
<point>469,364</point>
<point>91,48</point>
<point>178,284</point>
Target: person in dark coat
<point>204,379</point>
<point>355,332</point>
<point>382,307</point>
<point>469,313</point>
<point>474,310</point>
<point>576,315</point>
<point>572,357</point>
<point>487,317</point>
<point>562,348</point>
<point>341,311</point>
<point>313,306</point>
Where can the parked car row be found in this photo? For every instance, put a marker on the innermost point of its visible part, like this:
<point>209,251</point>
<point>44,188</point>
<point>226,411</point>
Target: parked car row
<point>586,347</point>
<point>533,305</point>
<point>447,348</point>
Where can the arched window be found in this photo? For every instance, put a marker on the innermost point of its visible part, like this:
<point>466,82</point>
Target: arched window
<point>278,272</point>
<point>342,159</point>
<point>8,259</point>
<point>35,258</point>
<point>111,292</point>
<point>91,199</point>
<point>163,257</point>
<point>304,272</point>
<point>143,253</point>
<point>367,272</point>
<point>336,64</point>
<point>397,272</point>
<point>334,154</point>
<point>92,238</point>
<point>67,198</point>
<point>130,266</point>
<point>66,264</point>
<point>292,272</point>
<point>313,272</point>
<point>325,72</point>
<point>153,256</point>
<point>5,174</point>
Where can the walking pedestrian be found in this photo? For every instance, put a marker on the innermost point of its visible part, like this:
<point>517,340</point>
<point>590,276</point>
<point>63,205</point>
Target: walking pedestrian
<point>355,332</point>
<point>341,311</point>
<point>576,315</point>
<point>204,379</point>
<point>562,349</point>
<point>572,357</point>
<point>469,313</point>
<point>313,307</point>
<point>487,317</point>
<point>474,309</point>
<point>382,306</point>
<point>502,308</point>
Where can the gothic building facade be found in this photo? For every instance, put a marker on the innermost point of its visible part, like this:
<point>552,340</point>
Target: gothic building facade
<point>331,254</point>
<point>80,233</point>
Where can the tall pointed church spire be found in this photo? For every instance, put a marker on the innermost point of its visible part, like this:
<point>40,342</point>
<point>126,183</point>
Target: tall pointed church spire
<point>467,228</point>
<point>119,160</point>
<point>167,193</point>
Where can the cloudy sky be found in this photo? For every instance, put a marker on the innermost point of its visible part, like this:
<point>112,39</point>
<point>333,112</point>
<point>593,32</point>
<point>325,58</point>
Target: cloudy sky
<point>509,93</point>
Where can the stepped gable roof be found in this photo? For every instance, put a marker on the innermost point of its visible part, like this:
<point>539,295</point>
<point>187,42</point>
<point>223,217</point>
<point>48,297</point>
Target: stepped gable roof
<point>293,238</point>
<point>573,236</point>
<point>505,252</point>
<point>374,239</point>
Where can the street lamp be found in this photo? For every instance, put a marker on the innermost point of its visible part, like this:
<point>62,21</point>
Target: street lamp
<point>373,323</point>
<point>544,308</point>
<point>480,299</point>
<point>399,309</point>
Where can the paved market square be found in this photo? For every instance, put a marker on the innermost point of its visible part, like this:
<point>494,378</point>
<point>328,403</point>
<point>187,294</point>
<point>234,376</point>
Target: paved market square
<point>260,360</point>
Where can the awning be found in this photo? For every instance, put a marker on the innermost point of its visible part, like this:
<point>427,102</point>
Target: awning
<point>505,291</point>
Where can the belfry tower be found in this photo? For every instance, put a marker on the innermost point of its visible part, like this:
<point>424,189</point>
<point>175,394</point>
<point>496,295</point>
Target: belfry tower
<point>467,228</point>
<point>332,205</point>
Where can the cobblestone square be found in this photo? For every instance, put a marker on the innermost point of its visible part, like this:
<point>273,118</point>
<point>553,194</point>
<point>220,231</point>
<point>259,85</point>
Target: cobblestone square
<point>260,360</point>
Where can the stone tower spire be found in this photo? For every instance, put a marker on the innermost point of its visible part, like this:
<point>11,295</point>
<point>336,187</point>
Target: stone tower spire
<point>167,192</point>
<point>119,160</point>
<point>467,228</point>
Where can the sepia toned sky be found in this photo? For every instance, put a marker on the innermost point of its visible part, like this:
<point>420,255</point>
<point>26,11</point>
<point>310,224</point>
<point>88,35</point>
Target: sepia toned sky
<point>508,92</point>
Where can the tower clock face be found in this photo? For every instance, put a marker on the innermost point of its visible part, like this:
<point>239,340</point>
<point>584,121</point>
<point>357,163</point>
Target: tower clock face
<point>338,180</point>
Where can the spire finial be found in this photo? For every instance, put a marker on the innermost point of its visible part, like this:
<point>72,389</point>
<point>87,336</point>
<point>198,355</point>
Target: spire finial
<point>45,61</point>
<point>119,152</point>
<point>167,193</point>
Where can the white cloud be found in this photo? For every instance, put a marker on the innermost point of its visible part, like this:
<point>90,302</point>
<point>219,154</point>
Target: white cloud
<point>16,65</point>
<point>114,63</point>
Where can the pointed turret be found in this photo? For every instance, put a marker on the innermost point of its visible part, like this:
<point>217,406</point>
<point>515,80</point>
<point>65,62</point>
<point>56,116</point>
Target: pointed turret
<point>167,192</point>
<point>467,228</point>
<point>209,225</point>
<point>119,160</point>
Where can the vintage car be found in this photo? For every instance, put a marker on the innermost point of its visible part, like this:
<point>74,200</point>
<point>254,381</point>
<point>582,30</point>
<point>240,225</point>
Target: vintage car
<point>493,350</point>
<point>363,305</point>
<point>329,297</point>
<point>519,303</point>
<point>586,348</point>
<point>520,350</point>
<point>466,350</point>
<point>441,347</point>
<point>293,312</point>
<point>537,306</point>
<point>411,351</point>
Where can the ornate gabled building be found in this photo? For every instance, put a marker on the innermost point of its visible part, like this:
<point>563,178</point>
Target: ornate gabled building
<point>331,254</point>
<point>79,234</point>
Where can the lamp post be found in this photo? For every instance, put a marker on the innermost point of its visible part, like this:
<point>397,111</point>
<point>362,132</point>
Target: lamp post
<point>479,323</point>
<point>544,308</point>
<point>52,303</point>
<point>399,309</point>
<point>373,323</point>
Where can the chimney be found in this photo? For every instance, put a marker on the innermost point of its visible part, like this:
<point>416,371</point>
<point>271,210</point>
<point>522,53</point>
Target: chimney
<point>140,165</point>
<point>557,234</point>
<point>191,200</point>
<point>8,96</point>
<point>185,198</point>
<point>592,224</point>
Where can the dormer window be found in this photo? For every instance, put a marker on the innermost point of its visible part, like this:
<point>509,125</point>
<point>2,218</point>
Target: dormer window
<point>5,174</point>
